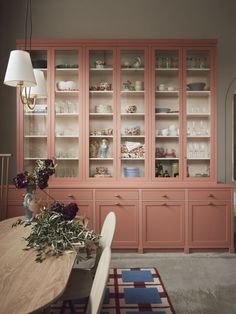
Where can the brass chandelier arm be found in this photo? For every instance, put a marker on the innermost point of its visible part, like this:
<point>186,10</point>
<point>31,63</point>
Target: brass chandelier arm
<point>25,97</point>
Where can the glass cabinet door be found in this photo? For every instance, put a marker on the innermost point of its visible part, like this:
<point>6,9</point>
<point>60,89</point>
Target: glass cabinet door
<point>36,119</point>
<point>167,114</point>
<point>101,114</point>
<point>67,113</point>
<point>198,113</point>
<point>132,113</point>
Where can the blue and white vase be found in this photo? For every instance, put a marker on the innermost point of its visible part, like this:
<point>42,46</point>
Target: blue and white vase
<point>29,198</point>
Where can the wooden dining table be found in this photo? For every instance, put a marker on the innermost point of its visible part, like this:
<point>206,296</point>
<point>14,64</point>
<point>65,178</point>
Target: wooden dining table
<point>27,286</point>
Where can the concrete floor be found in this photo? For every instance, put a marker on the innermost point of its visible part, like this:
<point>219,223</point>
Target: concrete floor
<point>197,283</point>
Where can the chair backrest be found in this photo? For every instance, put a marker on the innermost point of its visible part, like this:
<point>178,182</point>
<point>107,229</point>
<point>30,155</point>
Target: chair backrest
<point>99,283</point>
<point>108,230</point>
<point>107,233</point>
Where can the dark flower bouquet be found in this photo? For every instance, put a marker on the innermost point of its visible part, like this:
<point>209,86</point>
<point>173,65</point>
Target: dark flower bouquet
<point>39,177</point>
<point>55,229</point>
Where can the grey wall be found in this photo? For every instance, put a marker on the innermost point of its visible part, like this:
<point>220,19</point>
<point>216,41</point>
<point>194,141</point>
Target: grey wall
<point>136,19</point>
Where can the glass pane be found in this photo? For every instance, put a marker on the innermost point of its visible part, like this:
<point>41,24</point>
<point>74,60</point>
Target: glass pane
<point>132,114</point>
<point>198,113</point>
<point>67,113</point>
<point>167,113</point>
<point>101,109</point>
<point>36,119</point>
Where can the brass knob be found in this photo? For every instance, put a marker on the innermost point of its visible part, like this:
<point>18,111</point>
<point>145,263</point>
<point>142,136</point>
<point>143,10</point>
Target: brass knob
<point>210,203</point>
<point>164,204</point>
<point>210,195</point>
<point>165,196</point>
<point>70,195</point>
<point>117,195</point>
<point>117,204</point>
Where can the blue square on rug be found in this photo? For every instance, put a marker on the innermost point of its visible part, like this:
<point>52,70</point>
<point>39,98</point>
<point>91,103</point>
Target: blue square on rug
<point>137,276</point>
<point>141,296</point>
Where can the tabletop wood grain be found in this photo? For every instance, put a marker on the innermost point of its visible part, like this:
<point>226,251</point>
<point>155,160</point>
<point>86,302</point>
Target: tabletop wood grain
<point>25,285</point>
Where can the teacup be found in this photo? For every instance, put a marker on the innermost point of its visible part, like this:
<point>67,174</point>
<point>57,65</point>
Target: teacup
<point>161,87</point>
<point>165,132</point>
<point>126,64</point>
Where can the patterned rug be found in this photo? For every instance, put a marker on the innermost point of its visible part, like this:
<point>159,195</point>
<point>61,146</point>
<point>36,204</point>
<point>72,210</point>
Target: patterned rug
<point>130,291</point>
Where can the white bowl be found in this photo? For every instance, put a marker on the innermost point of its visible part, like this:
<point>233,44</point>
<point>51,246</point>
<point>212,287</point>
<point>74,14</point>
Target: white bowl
<point>70,85</point>
<point>61,85</point>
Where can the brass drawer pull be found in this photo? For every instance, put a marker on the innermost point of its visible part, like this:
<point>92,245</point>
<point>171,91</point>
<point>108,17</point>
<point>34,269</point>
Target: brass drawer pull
<point>165,196</point>
<point>164,204</point>
<point>117,204</point>
<point>117,195</point>
<point>210,203</point>
<point>211,195</point>
<point>70,195</point>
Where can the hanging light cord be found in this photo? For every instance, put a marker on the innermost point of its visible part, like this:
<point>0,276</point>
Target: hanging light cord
<point>28,18</point>
<point>28,27</point>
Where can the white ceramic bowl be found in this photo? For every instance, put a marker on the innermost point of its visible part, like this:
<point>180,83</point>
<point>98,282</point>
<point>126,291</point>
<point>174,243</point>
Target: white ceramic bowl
<point>70,85</point>
<point>61,85</point>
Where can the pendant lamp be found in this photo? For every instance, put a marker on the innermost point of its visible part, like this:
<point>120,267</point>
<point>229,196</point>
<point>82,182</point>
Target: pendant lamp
<point>20,73</point>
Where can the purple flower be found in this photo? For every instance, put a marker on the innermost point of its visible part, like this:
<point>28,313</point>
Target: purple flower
<point>21,180</point>
<point>57,207</point>
<point>70,211</point>
<point>42,179</point>
<point>38,177</point>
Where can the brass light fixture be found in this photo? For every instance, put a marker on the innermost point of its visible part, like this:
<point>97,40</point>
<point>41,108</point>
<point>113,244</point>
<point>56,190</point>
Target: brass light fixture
<point>20,73</point>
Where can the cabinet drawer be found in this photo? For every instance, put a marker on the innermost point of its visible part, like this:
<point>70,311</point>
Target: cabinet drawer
<point>209,195</point>
<point>71,194</point>
<point>116,194</point>
<point>156,195</point>
<point>17,195</point>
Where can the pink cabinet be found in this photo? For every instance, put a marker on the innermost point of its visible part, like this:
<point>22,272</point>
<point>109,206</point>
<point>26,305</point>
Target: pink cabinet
<point>163,225</point>
<point>210,219</point>
<point>127,221</point>
<point>164,219</point>
<point>123,111</point>
<point>132,127</point>
<point>163,212</point>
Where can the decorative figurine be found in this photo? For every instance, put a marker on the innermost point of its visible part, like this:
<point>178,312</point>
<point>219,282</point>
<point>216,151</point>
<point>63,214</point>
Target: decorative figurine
<point>159,170</point>
<point>94,147</point>
<point>103,149</point>
<point>137,62</point>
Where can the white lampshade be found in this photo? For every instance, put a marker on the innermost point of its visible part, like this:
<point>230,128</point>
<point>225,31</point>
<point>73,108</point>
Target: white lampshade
<point>40,89</point>
<point>19,70</point>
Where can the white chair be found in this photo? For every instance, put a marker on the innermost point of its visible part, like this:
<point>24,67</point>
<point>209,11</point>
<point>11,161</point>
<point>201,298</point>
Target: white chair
<point>81,280</point>
<point>96,295</point>
<point>107,233</point>
<point>99,284</point>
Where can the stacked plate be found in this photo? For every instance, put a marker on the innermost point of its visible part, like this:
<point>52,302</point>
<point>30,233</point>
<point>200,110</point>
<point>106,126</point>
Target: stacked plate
<point>131,172</point>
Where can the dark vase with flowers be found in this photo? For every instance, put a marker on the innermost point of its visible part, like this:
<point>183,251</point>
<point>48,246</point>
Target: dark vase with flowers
<point>30,181</point>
